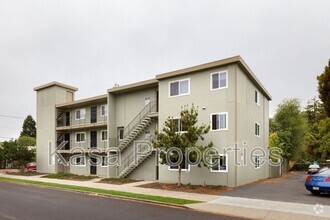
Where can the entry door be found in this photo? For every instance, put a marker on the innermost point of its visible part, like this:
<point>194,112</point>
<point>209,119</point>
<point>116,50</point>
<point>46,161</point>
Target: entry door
<point>93,167</point>
<point>67,118</point>
<point>93,114</point>
<point>93,139</point>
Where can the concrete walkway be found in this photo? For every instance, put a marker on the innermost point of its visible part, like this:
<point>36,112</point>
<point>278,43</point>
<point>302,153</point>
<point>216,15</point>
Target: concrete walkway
<point>235,206</point>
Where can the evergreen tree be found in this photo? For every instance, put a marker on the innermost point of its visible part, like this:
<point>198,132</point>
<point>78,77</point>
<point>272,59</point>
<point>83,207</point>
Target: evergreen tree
<point>324,88</point>
<point>183,135</point>
<point>29,127</point>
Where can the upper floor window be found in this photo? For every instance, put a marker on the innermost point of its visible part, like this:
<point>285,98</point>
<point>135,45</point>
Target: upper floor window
<point>146,100</point>
<point>219,121</point>
<point>257,97</point>
<point>180,87</point>
<point>80,137</point>
<point>104,110</point>
<point>104,135</point>
<point>257,162</point>
<point>257,129</point>
<point>219,80</point>
<point>80,114</point>
<point>120,132</point>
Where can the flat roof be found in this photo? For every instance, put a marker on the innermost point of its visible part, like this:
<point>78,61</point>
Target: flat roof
<point>134,86</point>
<point>218,63</point>
<point>82,102</point>
<point>55,84</point>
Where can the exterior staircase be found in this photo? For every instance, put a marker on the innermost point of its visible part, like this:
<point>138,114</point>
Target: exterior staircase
<point>134,133</point>
<point>130,163</point>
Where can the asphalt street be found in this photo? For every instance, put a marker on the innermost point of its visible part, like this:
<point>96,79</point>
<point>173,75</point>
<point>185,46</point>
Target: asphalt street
<point>32,202</point>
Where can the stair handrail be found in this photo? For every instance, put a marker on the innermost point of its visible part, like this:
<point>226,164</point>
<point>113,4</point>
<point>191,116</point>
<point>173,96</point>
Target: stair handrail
<point>129,159</point>
<point>138,118</point>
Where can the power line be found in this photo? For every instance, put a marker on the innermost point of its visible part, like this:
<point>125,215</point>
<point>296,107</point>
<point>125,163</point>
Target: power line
<point>10,116</point>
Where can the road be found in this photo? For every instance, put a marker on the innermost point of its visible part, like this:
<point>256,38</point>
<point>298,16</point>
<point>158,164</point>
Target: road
<point>31,202</point>
<point>290,188</point>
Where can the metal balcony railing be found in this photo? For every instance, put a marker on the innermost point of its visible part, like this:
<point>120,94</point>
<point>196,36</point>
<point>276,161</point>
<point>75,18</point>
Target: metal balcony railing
<point>85,145</point>
<point>85,120</point>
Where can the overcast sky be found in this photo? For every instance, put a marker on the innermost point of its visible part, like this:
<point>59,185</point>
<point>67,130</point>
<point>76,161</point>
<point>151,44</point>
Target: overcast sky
<point>94,44</point>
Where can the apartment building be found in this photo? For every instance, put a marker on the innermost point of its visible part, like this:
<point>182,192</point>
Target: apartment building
<point>229,97</point>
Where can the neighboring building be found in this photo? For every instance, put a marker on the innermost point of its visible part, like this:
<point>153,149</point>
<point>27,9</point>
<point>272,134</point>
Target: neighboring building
<point>230,98</point>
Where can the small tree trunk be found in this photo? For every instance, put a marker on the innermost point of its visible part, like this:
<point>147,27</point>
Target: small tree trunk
<point>22,169</point>
<point>179,176</point>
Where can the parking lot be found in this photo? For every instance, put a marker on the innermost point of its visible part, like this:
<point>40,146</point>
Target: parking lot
<point>288,188</point>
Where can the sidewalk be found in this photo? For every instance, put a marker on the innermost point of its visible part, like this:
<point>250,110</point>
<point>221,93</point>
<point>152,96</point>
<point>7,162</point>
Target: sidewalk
<point>235,206</point>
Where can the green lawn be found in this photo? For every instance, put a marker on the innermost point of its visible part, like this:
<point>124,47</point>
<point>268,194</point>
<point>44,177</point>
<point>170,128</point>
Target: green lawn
<point>160,199</point>
<point>69,176</point>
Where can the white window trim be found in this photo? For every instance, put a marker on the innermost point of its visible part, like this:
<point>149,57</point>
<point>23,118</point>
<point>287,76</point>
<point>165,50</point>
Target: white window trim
<point>75,163</point>
<point>219,72</point>
<point>175,170</point>
<point>179,132</point>
<point>81,116</point>
<point>254,164</point>
<point>258,97</point>
<point>102,161</point>
<point>106,107</point>
<point>255,129</point>
<point>75,137</point>
<point>220,113</point>
<point>169,88</point>
<point>102,136</point>
<point>221,171</point>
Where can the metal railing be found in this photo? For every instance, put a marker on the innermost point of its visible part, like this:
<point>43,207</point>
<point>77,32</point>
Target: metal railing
<point>64,121</point>
<point>131,157</point>
<point>85,145</point>
<point>151,106</point>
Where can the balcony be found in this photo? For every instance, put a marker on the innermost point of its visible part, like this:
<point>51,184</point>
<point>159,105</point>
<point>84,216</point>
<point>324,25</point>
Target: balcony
<point>67,120</point>
<point>85,146</point>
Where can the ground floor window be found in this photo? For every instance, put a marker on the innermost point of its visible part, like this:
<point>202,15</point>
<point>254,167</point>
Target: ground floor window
<point>104,162</point>
<point>220,163</point>
<point>184,167</point>
<point>79,161</point>
<point>257,162</point>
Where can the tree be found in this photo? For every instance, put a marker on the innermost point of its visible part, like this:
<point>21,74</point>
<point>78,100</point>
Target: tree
<point>182,134</point>
<point>291,127</point>
<point>29,127</point>
<point>17,151</point>
<point>324,88</point>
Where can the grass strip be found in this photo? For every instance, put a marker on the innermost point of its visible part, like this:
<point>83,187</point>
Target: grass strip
<point>160,199</point>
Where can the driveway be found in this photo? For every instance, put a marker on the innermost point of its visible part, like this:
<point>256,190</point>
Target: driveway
<point>288,188</point>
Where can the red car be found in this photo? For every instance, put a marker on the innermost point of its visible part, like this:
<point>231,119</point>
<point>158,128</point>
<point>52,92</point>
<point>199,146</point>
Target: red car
<point>31,166</point>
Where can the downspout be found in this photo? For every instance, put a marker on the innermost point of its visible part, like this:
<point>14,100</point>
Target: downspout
<point>236,124</point>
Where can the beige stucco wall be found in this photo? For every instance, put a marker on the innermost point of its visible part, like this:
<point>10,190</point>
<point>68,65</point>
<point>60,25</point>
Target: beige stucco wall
<point>238,101</point>
<point>46,116</point>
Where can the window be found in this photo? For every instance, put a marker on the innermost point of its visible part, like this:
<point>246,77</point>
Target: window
<point>257,129</point>
<point>79,161</point>
<point>185,167</point>
<point>257,162</point>
<point>104,162</point>
<point>219,121</point>
<point>180,87</point>
<point>179,127</point>
<point>80,114</point>
<point>104,110</point>
<point>80,137</point>
<point>221,165</point>
<point>146,100</point>
<point>257,97</point>
<point>120,133</point>
<point>147,134</point>
<point>219,80</point>
<point>104,136</point>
